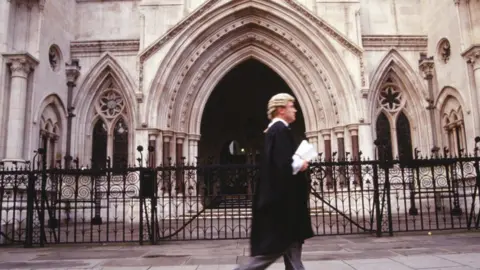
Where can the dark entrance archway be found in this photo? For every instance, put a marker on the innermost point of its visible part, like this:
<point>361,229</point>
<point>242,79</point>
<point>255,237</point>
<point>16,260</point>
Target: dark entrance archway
<point>234,118</point>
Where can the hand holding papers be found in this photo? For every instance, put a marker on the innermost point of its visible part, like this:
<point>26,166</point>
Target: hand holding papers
<point>306,151</point>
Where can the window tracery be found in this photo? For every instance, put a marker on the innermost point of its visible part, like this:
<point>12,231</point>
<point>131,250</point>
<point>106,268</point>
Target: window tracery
<point>454,126</point>
<point>110,135</point>
<point>49,140</point>
<point>392,125</point>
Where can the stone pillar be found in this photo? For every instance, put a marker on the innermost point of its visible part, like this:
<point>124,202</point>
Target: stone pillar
<point>20,65</point>
<point>166,160</point>
<point>357,170</point>
<point>472,56</point>
<point>426,65</point>
<point>152,150</point>
<point>312,137</point>
<point>193,140</point>
<point>72,71</point>
<point>339,132</point>
<point>191,181</point>
<point>167,137</point>
<point>179,179</point>
<point>327,141</point>
<point>327,137</point>
<point>365,141</point>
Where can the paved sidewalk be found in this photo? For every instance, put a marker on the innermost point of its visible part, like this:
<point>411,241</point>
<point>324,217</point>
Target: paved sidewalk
<point>449,251</point>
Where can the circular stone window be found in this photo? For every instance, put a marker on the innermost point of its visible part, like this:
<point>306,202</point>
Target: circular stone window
<point>54,57</point>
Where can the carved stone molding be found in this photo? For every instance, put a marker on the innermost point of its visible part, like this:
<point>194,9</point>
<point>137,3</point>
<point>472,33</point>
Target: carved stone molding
<point>239,41</point>
<point>353,129</point>
<point>311,134</point>
<point>167,134</point>
<point>399,42</point>
<point>79,48</point>
<point>209,4</point>
<point>326,134</point>
<point>194,137</point>
<point>427,66</point>
<point>21,64</point>
<point>72,71</point>
<point>185,23</point>
<point>472,56</point>
<point>444,50</point>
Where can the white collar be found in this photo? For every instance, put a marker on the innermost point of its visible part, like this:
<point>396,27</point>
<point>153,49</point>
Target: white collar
<point>276,119</point>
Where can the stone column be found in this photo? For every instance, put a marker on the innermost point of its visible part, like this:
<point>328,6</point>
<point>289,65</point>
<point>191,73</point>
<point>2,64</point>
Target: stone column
<point>472,55</point>
<point>312,137</point>
<point>339,132</point>
<point>167,137</point>
<point>152,150</point>
<point>179,179</point>
<point>72,71</point>
<point>357,169</point>
<point>193,140</point>
<point>20,65</point>
<point>191,181</point>
<point>327,137</point>
<point>426,65</point>
<point>166,160</point>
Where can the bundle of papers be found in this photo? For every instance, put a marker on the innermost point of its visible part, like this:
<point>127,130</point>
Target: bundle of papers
<point>306,151</point>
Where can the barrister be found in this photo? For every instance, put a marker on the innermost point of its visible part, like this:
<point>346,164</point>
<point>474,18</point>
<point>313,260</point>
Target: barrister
<point>281,220</point>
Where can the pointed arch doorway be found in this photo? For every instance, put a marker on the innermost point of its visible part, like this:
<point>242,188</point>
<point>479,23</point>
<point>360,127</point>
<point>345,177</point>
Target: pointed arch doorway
<point>234,118</point>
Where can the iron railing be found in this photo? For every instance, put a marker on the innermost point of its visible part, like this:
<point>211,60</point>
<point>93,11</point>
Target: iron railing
<point>213,201</point>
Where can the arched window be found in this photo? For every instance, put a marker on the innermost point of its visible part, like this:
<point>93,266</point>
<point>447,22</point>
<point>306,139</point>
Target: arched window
<point>120,144</point>
<point>453,126</point>
<point>110,135</point>
<point>392,125</point>
<point>384,137</point>
<point>99,144</point>
<point>404,137</point>
<point>49,137</point>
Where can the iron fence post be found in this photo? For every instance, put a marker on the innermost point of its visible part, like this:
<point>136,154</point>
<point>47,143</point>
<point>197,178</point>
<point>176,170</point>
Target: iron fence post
<point>413,211</point>
<point>43,197</point>
<point>376,200</point>
<point>30,209</point>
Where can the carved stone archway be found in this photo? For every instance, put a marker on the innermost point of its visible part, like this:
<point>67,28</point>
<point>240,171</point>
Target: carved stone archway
<point>234,32</point>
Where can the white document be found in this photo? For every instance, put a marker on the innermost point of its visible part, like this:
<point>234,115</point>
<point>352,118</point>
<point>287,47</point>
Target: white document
<point>306,151</point>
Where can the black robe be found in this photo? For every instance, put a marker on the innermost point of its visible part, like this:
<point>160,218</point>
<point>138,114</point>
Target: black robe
<point>280,205</point>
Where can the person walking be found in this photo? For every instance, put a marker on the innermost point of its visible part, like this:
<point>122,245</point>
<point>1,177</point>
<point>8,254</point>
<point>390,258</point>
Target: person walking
<point>280,215</point>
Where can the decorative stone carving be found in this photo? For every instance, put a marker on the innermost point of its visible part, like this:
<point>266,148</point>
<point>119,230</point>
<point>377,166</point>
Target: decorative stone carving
<point>426,65</point>
<point>248,38</point>
<point>251,21</point>
<point>20,64</point>
<point>54,57</point>
<point>444,50</point>
<point>399,42</point>
<point>72,71</point>
<point>472,55</point>
<point>173,32</point>
<point>390,98</point>
<point>110,104</point>
<point>85,48</point>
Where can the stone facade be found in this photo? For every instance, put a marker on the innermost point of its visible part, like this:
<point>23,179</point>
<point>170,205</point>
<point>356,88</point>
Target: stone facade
<point>139,72</point>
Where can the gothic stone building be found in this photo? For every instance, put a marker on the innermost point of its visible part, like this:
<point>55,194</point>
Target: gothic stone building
<point>96,78</point>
